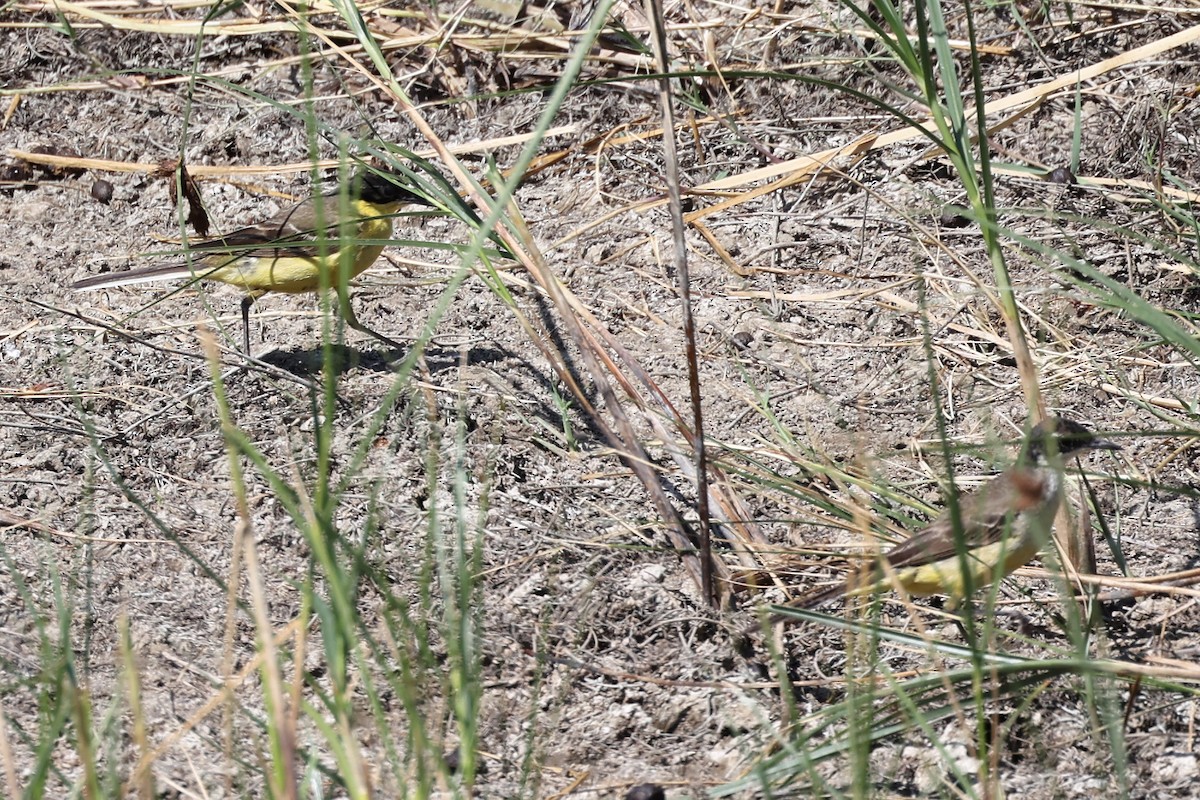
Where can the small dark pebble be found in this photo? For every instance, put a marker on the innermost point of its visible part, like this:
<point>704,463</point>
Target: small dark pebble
<point>453,762</point>
<point>742,339</point>
<point>646,791</point>
<point>102,191</point>
<point>952,219</point>
<point>1061,175</point>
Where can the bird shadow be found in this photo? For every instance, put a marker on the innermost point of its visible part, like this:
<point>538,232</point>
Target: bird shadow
<point>310,362</point>
<point>306,365</point>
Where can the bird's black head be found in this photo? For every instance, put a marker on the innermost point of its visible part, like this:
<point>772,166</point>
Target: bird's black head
<point>384,188</point>
<point>1065,437</point>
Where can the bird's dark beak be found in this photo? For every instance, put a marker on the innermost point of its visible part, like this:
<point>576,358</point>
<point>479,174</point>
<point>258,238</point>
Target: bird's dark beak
<point>1104,444</point>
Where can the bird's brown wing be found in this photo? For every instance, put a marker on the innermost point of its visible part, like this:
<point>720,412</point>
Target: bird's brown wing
<point>291,232</point>
<point>985,515</point>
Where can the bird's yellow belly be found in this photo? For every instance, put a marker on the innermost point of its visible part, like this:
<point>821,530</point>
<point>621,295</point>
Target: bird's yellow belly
<point>296,274</point>
<point>984,565</point>
<point>260,274</point>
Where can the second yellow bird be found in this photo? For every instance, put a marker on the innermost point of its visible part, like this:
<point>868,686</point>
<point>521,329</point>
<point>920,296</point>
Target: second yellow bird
<point>998,528</point>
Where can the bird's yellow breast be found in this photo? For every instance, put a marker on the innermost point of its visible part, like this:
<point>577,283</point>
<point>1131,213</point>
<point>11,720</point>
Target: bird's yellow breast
<point>293,274</point>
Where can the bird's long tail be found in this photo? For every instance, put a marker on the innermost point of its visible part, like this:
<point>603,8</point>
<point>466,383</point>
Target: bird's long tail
<point>145,275</point>
<point>810,600</point>
<point>814,599</point>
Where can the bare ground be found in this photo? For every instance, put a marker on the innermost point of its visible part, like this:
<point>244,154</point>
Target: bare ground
<point>600,658</point>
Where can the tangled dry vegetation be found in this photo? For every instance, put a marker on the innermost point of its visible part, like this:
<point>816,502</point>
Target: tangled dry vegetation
<point>475,570</point>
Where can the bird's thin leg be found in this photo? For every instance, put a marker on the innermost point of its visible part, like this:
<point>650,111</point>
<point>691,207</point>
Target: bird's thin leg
<point>247,301</point>
<point>352,321</point>
<point>964,619</point>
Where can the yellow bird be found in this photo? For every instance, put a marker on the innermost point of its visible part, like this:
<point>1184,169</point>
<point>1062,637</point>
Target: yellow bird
<point>1003,525</point>
<point>297,250</point>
